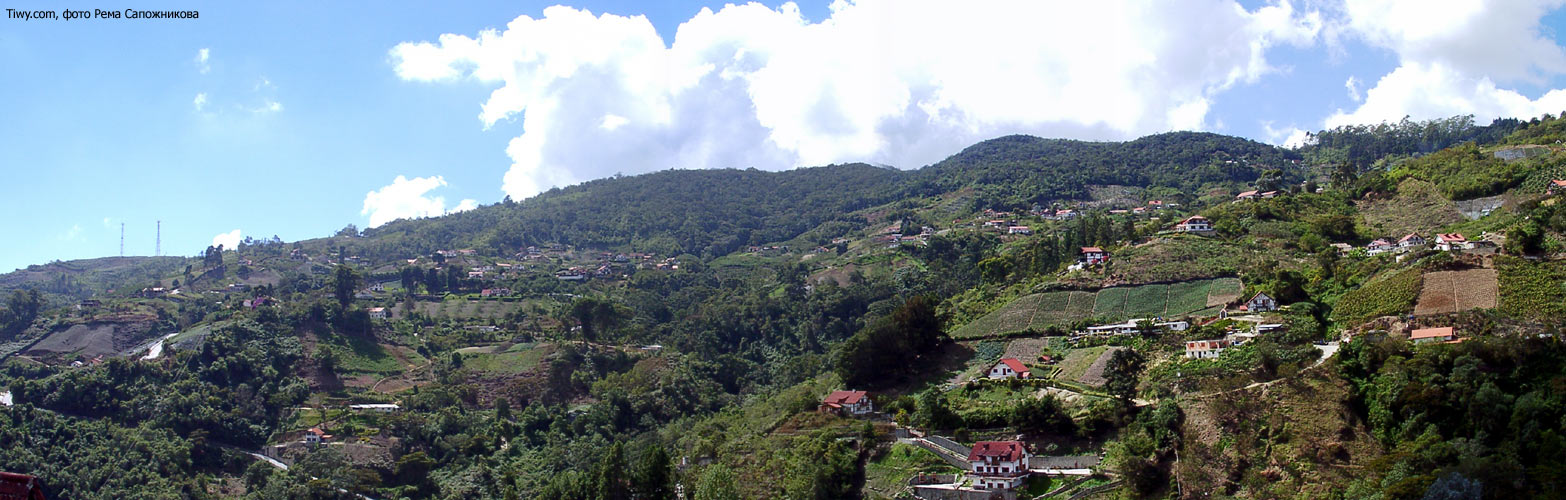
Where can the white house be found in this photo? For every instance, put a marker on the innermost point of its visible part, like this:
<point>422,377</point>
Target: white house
<point>998,465</point>
<point>1410,242</point>
<point>1450,242</point>
<point>1009,368</point>
<point>1261,302</point>
<point>1248,195</point>
<point>1427,335</point>
<point>1194,224</point>
<point>1173,326</point>
<point>316,436</point>
<point>1093,255</point>
<point>1378,247</point>
<point>1019,230</point>
<point>377,313</point>
<point>1127,328</point>
<point>375,407</point>
<point>1206,349</point>
<point>847,403</point>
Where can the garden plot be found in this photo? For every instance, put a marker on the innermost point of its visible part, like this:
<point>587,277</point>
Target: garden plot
<point>1453,291</point>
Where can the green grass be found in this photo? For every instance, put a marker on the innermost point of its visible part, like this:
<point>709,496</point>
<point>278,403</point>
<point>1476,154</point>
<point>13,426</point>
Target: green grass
<point>1110,301</point>
<point>361,355</point>
<point>1188,297</point>
<point>515,360</point>
<point>1077,362</point>
<point>1532,290</point>
<point>1393,295</point>
<point>1042,310</point>
<point>1147,301</point>
<point>887,474</point>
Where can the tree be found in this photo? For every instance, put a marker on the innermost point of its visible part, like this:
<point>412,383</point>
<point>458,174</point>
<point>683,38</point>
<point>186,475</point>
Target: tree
<point>653,479</point>
<point>612,483</point>
<point>349,231</point>
<point>717,483</point>
<point>1123,372</point>
<point>345,282</point>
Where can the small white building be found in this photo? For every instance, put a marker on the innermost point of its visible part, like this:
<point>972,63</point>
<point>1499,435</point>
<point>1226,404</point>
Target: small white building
<point>1450,242</point>
<point>1093,255</point>
<point>1019,230</point>
<point>1194,224</point>
<point>998,465</point>
<point>1261,303</point>
<point>378,313</point>
<point>375,407</point>
<point>1378,247</point>
<point>847,403</point>
<point>1206,349</point>
<point>1410,242</point>
<point>1127,328</point>
<point>1009,368</point>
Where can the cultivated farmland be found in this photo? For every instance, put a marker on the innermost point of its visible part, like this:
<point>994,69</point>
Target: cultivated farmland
<point>1043,310</point>
<point>1452,291</point>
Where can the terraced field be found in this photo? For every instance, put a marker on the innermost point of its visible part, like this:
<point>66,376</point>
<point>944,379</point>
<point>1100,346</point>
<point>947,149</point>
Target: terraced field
<point>1042,310</point>
<point>1452,291</point>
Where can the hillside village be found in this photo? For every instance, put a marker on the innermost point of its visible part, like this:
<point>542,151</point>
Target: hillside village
<point>1142,340</point>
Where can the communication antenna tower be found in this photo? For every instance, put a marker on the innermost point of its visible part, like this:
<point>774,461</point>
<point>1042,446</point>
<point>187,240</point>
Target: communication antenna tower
<point>157,251</point>
<point>122,239</point>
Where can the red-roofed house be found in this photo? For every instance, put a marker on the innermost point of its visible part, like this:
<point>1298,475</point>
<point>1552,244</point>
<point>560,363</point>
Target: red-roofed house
<point>1450,242</point>
<point>1093,255</point>
<point>1380,246</point>
<point>998,465</point>
<point>1194,224</point>
<point>847,403</point>
<point>1557,186</point>
<point>1410,242</point>
<point>1248,195</point>
<point>1426,335</point>
<point>20,487</point>
<point>316,436</point>
<point>1269,194</point>
<point>1009,368</point>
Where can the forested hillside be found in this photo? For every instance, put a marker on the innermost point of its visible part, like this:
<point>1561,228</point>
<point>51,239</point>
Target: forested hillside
<point>1186,315</point>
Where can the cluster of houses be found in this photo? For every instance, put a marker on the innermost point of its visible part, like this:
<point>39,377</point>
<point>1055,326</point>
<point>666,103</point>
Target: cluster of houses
<point>1446,242</point>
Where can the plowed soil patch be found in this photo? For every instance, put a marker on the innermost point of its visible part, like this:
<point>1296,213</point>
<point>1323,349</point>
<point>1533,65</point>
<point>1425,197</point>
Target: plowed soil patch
<point>1452,291</point>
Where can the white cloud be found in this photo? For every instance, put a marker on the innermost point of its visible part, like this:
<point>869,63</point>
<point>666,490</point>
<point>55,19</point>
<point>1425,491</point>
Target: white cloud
<point>1454,58</point>
<point>200,101</point>
<point>407,198</point>
<point>1289,137</point>
<point>1352,84</point>
<point>893,82</point>
<point>72,233</point>
<point>201,60</point>
<point>268,106</point>
<point>229,240</point>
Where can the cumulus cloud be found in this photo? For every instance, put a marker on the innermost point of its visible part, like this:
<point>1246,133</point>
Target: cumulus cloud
<point>268,106</point>
<point>229,240</point>
<point>1455,57</point>
<point>408,198</point>
<point>1289,137</point>
<point>1352,84</point>
<point>201,60</point>
<point>200,101</point>
<point>892,82</point>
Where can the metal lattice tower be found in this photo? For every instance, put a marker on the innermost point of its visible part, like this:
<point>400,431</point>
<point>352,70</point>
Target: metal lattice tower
<point>157,251</point>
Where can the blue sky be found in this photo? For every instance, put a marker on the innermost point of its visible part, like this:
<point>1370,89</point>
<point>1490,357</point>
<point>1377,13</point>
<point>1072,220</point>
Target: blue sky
<point>302,118</point>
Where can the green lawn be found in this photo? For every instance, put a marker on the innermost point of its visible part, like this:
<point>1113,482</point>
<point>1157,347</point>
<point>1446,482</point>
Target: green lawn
<point>518,359</point>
